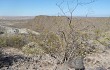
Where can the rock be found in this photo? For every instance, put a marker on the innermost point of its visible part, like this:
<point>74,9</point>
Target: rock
<point>100,68</point>
<point>32,32</point>
<point>12,31</point>
<point>64,66</point>
<point>77,63</point>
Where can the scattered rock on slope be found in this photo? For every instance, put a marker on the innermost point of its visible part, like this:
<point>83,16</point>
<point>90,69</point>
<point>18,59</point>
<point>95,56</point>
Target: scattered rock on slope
<point>12,30</point>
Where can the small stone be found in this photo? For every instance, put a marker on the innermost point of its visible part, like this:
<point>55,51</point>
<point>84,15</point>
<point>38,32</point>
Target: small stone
<point>100,68</point>
<point>108,68</point>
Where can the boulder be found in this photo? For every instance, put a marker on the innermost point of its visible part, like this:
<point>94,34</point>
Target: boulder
<point>12,30</point>
<point>77,63</point>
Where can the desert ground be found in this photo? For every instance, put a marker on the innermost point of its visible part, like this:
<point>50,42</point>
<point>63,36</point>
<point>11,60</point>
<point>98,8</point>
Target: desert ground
<point>43,42</point>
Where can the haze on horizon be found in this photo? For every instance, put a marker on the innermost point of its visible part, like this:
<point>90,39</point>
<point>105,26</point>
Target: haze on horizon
<point>100,8</point>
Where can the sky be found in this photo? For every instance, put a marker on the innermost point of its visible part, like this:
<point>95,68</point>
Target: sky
<point>99,8</point>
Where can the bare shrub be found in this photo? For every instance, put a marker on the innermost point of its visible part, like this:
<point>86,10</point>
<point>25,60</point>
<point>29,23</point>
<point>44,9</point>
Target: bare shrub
<point>76,43</point>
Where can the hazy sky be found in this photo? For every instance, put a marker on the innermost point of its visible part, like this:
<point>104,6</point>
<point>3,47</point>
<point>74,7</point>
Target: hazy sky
<point>99,8</point>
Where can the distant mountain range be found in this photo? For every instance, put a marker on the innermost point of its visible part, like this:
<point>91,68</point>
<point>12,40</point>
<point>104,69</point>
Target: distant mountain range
<point>16,17</point>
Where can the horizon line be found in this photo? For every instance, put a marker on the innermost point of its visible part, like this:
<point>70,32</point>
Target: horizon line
<point>51,15</point>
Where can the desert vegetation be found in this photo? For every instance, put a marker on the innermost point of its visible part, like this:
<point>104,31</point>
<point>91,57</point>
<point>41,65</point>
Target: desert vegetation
<point>55,42</point>
<point>61,44</point>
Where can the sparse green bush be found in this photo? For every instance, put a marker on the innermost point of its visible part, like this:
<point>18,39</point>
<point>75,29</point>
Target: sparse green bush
<point>48,42</point>
<point>15,41</point>
<point>97,33</point>
<point>12,41</point>
<point>53,43</point>
<point>104,39</point>
<point>33,48</point>
<point>2,41</point>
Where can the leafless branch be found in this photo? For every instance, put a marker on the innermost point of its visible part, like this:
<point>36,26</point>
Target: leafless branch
<point>59,5</point>
<point>72,36</point>
<point>64,36</point>
<point>85,3</point>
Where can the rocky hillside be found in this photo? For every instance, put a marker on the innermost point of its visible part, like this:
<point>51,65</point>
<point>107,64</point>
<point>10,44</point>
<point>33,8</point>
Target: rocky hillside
<point>55,23</point>
<point>14,59</point>
<point>37,44</point>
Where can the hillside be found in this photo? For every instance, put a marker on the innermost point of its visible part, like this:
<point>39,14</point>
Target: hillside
<point>48,43</point>
<point>55,23</point>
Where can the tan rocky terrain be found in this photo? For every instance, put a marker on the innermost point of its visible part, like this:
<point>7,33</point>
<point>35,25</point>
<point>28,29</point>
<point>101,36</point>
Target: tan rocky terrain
<point>15,59</point>
<point>29,43</point>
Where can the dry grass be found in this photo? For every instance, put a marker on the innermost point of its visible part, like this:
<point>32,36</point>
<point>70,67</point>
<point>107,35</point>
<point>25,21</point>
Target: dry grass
<point>12,41</point>
<point>50,38</point>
